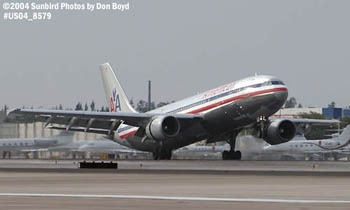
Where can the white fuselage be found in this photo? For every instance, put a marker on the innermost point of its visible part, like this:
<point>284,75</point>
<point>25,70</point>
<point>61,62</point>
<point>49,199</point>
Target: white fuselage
<point>202,148</point>
<point>251,87</point>
<point>32,144</point>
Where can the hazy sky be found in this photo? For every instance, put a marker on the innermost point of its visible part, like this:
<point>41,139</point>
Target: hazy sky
<point>184,47</point>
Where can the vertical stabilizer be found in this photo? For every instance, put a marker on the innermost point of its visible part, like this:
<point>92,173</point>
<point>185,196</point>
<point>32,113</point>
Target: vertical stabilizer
<point>345,135</point>
<point>115,95</point>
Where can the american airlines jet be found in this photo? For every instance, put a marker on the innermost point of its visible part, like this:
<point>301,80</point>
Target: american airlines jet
<point>215,115</point>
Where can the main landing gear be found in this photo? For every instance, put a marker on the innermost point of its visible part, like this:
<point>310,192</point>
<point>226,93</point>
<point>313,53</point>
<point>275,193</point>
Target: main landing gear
<point>232,154</point>
<point>162,154</point>
<point>6,153</point>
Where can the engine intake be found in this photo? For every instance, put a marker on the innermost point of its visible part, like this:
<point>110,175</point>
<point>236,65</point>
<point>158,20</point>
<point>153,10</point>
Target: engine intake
<point>279,131</point>
<point>163,127</point>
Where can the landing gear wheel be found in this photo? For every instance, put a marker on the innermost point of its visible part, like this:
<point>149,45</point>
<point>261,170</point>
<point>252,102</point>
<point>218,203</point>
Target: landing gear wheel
<point>237,155</point>
<point>231,155</point>
<point>225,155</point>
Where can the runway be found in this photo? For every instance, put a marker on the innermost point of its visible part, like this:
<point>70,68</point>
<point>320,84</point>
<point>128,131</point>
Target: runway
<point>189,165</point>
<point>129,188</point>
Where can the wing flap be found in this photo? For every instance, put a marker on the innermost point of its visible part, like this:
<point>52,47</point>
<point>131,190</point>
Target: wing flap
<point>93,130</point>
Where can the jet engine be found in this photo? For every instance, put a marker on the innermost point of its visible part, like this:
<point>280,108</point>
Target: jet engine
<point>163,127</point>
<point>279,131</point>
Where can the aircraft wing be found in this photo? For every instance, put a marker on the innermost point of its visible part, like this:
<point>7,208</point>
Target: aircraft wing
<point>98,122</point>
<point>312,121</point>
<point>304,125</point>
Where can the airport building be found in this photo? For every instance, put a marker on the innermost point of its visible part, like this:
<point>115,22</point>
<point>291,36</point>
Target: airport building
<point>36,130</point>
<point>331,113</point>
<point>346,112</point>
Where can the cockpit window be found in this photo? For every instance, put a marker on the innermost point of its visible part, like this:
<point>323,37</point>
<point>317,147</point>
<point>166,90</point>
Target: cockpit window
<point>277,82</point>
<point>267,83</point>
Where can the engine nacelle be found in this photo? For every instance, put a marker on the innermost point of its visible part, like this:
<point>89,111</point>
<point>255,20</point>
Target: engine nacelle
<point>279,131</point>
<point>163,127</point>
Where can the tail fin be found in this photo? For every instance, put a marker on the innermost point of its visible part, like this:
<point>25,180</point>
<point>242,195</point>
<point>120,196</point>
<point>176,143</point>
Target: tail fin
<point>64,137</point>
<point>65,133</point>
<point>345,135</point>
<point>115,95</point>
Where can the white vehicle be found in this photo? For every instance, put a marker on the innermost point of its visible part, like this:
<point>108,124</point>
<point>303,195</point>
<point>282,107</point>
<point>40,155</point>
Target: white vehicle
<point>215,115</point>
<point>27,145</point>
<point>323,147</point>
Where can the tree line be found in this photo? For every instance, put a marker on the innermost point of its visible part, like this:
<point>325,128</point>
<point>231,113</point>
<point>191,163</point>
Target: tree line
<point>292,103</point>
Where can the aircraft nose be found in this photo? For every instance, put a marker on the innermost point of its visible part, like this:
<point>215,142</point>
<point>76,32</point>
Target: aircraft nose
<point>282,95</point>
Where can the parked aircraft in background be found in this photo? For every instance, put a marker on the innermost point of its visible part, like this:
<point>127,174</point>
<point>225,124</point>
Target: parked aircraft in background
<point>254,148</point>
<point>27,145</point>
<point>98,146</point>
<point>324,147</point>
<point>215,115</point>
<point>204,148</point>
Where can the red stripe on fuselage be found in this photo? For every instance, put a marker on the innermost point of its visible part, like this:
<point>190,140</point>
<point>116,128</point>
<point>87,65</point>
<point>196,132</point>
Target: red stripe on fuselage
<point>235,99</point>
<point>222,103</point>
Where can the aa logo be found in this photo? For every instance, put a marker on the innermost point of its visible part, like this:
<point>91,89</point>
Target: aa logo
<point>115,102</point>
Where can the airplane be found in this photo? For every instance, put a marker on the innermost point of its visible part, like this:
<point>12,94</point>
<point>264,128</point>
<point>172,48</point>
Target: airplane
<point>325,147</point>
<point>215,115</point>
<point>204,148</point>
<point>27,145</point>
<point>251,147</point>
<point>99,146</point>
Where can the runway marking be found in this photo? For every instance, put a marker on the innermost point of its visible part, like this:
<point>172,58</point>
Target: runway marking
<point>255,200</point>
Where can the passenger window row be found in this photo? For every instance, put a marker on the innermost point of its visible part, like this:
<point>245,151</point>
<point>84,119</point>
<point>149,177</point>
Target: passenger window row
<point>267,83</point>
<point>15,144</point>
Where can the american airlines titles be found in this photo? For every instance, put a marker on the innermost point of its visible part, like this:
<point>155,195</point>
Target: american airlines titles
<point>219,90</point>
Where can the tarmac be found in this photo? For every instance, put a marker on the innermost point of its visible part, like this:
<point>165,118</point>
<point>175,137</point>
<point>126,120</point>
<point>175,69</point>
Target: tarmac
<point>49,184</point>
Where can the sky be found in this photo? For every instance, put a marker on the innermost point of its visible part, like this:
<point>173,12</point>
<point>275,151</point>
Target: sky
<point>184,47</point>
